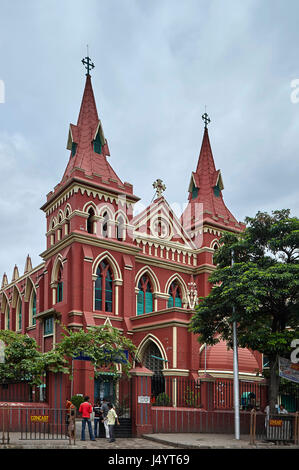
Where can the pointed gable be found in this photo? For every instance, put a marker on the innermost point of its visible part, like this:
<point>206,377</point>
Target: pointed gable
<point>159,223</point>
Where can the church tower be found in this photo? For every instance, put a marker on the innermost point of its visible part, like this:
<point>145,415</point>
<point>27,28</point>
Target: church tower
<point>89,215</point>
<point>206,216</point>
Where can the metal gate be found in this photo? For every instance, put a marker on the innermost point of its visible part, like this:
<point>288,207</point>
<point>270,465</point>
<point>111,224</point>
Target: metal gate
<point>29,423</point>
<point>43,424</point>
<point>117,390</point>
<point>274,427</point>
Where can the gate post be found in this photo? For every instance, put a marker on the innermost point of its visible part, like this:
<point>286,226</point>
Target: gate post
<point>141,401</point>
<point>207,391</point>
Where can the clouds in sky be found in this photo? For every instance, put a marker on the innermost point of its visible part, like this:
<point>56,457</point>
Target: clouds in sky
<point>158,64</point>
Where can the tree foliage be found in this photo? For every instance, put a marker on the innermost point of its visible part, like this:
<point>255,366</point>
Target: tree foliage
<point>260,290</point>
<point>104,345</point>
<point>23,361</point>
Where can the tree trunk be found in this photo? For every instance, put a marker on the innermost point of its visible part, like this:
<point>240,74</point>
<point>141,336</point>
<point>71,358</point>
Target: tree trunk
<point>273,383</point>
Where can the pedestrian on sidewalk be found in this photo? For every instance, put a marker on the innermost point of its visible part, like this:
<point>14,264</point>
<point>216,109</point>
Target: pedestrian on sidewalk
<point>111,418</point>
<point>86,410</point>
<point>105,409</point>
<point>97,417</point>
<point>70,418</point>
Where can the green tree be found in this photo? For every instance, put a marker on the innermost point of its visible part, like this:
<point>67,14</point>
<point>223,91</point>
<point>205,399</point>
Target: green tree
<point>263,287</point>
<point>104,345</point>
<point>23,361</point>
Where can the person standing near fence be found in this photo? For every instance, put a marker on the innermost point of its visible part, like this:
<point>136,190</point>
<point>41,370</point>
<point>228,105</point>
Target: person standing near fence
<point>111,418</point>
<point>105,409</point>
<point>282,410</point>
<point>70,418</point>
<point>97,417</point>
<point>86,410</point>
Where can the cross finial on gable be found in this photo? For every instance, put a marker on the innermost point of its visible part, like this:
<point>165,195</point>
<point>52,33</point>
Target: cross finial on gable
<point>159,187</point>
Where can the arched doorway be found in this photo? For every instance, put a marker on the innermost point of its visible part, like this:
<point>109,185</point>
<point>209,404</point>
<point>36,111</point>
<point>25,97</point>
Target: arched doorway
<point>152,359</point>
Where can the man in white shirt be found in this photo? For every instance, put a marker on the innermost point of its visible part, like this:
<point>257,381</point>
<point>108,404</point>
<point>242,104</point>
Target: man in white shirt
<point>111,418</point>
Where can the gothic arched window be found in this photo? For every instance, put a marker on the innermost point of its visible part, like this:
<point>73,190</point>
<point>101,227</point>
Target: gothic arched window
<point>120,235</point>
<point>7,317</point>
<point>104,288</point>
<point>153,360</point>
<point>19,315</point>
<point>59,295</point>
<point>90,221</point>
<point>144,296</point>
<point>174,292</point>
<point>33,308</point>
<point>105,224</point>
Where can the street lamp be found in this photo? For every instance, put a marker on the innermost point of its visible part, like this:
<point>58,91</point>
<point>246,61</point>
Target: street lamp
<point>236,373</point>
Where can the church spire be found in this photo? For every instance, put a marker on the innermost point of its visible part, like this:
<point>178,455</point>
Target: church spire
<point>206,186</point>
<point>86,140</point>
<point>89,150</point>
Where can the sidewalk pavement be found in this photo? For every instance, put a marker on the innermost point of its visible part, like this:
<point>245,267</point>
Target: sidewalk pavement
<point>213,441</point>
<point>149,441</point>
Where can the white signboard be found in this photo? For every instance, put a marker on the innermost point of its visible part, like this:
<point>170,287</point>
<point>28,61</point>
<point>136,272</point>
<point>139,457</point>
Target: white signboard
<point>144,399</point>
<point>288,370</point>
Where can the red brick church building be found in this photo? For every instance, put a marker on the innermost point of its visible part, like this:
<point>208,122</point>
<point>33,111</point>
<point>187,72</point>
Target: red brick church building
<point>140,273</point>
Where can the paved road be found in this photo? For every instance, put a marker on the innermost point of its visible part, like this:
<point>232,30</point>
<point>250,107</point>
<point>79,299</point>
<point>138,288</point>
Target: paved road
<point>132,443</point>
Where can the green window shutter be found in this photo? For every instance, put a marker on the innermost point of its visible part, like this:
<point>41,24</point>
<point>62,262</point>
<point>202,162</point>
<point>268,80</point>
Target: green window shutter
<point>98,293</point>
<point>20,316</point>
<point>178,302</point>
<point>48,326</point>
<point>97,146</point>
<point>140,300</point>
<point>148,302</point>
<point>74,149</point>
<point>194,192</point>
<point>108,292</point>
<point>34,309</point>
<point>59,292</point>
<point>170,302</point>
<point>217,191</point>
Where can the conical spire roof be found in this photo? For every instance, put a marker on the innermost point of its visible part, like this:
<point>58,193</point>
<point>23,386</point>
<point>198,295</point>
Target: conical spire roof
<point>206,187</point>
<point>82,138</point>
<point>88,153</point>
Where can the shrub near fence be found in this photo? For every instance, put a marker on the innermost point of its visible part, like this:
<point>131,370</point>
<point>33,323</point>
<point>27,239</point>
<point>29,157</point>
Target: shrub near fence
<point>175,391</point>
<point>251,395</point>
<point>185,392</point>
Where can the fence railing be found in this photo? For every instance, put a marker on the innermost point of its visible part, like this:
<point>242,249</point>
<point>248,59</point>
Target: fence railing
<point>289,396</point>
<point>175,391</point>
<point>251,395</point>
<point>37,423</point>
<point>185,392</point>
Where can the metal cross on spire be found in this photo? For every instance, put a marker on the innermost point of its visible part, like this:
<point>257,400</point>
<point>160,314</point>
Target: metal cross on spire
<point>206,119</point>
<point>87,62</point>
<point>159,187</point>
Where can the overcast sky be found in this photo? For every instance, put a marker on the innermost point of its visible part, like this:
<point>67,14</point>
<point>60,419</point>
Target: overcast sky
<point>158,63</point>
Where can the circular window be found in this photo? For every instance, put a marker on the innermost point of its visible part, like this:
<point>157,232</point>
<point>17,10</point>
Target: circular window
<point>161,228</point>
